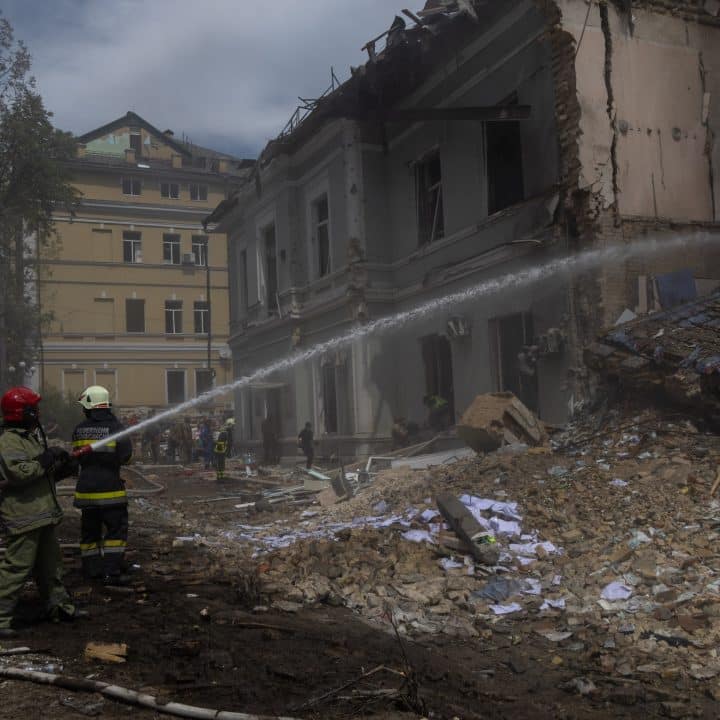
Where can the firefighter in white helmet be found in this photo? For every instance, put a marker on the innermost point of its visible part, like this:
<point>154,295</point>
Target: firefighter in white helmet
<point>100,491</point>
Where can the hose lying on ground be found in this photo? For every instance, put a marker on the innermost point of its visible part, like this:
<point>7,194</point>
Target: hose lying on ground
<point>132,697</point>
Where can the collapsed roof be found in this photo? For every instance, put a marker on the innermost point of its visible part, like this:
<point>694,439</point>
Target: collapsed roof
<point>676,351</point>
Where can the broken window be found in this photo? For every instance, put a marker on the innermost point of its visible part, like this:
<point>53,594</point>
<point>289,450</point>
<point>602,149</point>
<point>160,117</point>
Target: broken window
<point>132,247</point>
<point>271,281</point>
<point>439,385</point>
<point>321,220</point>
<point>504,165</point>
<point>201,312</point>
<point>173,317</point>
<point>171,249</point>
<point>134,315</point>
<point>170,190</point>
<point>198,192</point>
<point>515,362</point>
<point>131,186</point>
<point>200,250</point>
<point>428,190</point>
<point>175,386</point>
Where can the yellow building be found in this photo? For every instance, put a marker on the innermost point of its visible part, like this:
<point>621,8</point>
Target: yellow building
<point>127,287</point>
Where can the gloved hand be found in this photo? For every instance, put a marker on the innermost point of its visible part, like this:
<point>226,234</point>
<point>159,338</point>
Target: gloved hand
<point>46,458</point>
<point>60,455</point>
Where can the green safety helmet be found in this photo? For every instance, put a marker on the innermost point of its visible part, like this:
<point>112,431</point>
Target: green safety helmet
<point>94,398</point>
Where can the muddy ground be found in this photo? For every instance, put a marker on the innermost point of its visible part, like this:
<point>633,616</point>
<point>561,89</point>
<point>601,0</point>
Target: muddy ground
<point>199,633</point>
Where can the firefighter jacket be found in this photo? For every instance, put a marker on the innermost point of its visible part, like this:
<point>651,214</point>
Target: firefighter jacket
<point>99,482</point>
<point>27,493</point>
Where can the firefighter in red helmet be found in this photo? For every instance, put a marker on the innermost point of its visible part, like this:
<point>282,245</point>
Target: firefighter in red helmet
<point>29,510</point>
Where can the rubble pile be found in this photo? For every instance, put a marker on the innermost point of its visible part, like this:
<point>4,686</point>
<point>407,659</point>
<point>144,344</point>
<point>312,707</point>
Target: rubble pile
<point>606,550</point>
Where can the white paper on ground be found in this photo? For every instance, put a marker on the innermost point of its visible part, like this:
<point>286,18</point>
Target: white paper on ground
<point>506,609</point>
<point>616,591</point>
<point>532,587</point>
<point>549,603</point>
<point>418,536</point>
<point>530,549</point>
<point>450,564</point>
<point>505,527</point>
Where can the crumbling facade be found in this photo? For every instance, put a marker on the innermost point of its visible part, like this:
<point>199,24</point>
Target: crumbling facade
<point>485,138</point>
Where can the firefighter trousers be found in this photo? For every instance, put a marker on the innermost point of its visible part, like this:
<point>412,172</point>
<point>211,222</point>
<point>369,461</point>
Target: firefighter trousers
<point>33,554</point>
<point>102,555</point>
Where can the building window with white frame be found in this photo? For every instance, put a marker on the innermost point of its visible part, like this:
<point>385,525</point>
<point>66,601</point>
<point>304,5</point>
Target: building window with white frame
<point>321,233</point>
<point>429,197</point>
<point>173,317</point>
<point>171,249</point>
<point>175,386</point>
<point>131,186</point>
<point>170,191</point>
<point>201,312</point>
<point>200,250</point>
<point>132,247</point>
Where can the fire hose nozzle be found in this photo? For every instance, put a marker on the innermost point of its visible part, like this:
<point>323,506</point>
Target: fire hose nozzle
<point>86,450</point>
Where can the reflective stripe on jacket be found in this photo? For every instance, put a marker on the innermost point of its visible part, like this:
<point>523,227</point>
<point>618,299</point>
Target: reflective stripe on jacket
<point>99,482</point>
<point>28,500</point>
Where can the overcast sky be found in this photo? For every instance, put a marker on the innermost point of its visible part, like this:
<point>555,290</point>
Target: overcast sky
<point>227,73</point>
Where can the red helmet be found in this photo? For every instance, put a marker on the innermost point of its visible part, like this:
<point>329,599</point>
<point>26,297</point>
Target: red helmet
<point>16,401</point>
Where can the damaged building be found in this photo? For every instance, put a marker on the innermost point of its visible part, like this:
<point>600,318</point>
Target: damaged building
<point>477,139</point>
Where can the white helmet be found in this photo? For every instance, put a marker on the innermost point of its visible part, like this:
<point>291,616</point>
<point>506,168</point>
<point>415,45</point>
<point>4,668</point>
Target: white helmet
<point>94,397</point>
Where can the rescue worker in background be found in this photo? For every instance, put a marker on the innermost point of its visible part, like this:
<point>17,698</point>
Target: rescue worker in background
<point>220,448</point>
<point>186,442</point>
<point>100,491</point>
<point>438,412</point>
<point>29,510</point>
<point>230,428</point>
<point>306,442</point>
<point>206,442</point>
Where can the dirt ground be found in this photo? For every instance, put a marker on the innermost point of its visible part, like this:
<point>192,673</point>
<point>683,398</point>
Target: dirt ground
<point>199,632</point>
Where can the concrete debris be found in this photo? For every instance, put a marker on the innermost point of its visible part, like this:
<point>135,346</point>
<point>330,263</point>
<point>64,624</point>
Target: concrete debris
<point>497,419</point>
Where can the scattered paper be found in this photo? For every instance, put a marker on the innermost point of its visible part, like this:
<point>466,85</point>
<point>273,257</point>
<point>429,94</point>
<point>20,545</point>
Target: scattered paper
<point>418,536</point>
<point>549,604</point>
<point>506,609</point>
<point>616,591</point>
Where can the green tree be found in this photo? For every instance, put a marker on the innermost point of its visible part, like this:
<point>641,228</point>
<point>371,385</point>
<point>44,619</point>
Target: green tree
<point>34,180</point>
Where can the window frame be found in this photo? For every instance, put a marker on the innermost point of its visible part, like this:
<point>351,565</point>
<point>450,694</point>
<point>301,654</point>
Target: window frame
<point>135,183</point>
<point>173,317</point>
<point>174,242</point>
<point>203,314</point>
<point>169,194</point>
<point>429,199</point>
<point>202,258</point>
<point>198,189</point>
<point>135,245</point>
<point>318,226</point>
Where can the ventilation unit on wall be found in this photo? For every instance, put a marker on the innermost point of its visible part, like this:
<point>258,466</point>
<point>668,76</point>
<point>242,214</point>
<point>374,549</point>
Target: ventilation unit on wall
<point>458,327</point>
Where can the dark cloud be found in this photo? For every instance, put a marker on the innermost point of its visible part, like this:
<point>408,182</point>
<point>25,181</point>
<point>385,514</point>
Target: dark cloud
<point>227,73</point>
